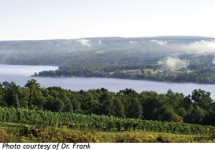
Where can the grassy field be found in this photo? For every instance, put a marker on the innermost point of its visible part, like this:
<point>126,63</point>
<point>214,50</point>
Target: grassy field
<point>13,132</point>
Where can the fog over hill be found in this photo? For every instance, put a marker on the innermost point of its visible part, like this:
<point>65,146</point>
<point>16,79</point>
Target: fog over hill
<point>55,52</point>
<point>164,58</point>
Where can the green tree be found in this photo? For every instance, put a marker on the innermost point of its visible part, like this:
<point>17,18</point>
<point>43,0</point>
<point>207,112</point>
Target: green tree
<point>197,115</point>
<point>202,99</point>
<point>134,109</point>
<point>119,109</point>
<point>10,93</point>
<point>33,88</point>
<point>106,104</point>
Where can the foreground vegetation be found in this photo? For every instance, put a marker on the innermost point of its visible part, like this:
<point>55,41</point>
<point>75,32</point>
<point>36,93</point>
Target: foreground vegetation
<point>100,123</point>
<point>35,114</point>
<point>65,135</point>
<point>12,132</point>
<point>197,108</point>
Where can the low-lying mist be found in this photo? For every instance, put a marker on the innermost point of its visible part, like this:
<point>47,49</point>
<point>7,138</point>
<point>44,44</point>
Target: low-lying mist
<point>173,63</point>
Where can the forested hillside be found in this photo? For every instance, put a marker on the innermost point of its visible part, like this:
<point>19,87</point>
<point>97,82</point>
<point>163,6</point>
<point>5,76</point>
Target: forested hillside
<point>175,59</point>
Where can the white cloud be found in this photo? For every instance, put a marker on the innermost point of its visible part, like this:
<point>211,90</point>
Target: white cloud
<point>159,42</point>
<point>173,63</point>
<point>85,42</point>
<point>200,47</point>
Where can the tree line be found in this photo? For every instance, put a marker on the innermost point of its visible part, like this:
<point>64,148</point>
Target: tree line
<point>200,69</point>
<point>196,108</point>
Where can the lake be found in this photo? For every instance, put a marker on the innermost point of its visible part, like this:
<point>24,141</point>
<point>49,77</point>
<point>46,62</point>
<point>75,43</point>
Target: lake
<point>20,74</point>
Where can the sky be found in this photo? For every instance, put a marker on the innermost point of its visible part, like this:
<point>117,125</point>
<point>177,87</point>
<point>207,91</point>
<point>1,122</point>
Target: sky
<point>70,19</point>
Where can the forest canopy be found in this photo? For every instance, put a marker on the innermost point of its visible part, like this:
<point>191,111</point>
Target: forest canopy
<point>196,108</point>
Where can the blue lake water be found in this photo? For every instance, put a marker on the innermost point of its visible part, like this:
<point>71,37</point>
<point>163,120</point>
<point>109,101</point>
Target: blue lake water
<point>20,74</point>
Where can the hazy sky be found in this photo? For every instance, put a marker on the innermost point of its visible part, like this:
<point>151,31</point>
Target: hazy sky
<point>57,19</point>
